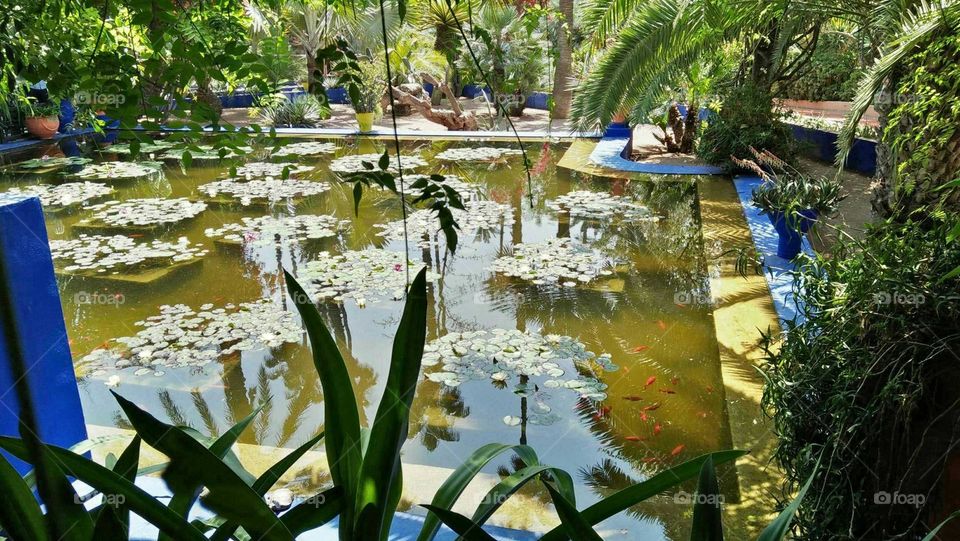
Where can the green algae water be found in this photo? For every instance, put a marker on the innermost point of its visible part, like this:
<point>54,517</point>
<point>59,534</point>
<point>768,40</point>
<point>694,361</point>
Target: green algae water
<point>610,372</point>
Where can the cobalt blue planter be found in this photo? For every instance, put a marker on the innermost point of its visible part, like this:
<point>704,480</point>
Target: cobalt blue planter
<point>67,115</point>
<point>791,230</point>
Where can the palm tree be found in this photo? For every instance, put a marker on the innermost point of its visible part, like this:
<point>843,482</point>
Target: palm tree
<point>562,93</point>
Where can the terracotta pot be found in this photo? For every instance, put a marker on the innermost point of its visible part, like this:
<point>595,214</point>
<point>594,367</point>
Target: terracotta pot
<point>42,127</point>
<point>365,120</point>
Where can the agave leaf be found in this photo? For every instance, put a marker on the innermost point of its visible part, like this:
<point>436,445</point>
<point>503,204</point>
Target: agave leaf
<point>341,419</point>
<point>109,482</point>
<point>464,527</point>
<point>707,520</point>
<point>571,519</point>
<point>778,529</point>
<point>191,462</point>
<point>497,495</point>
<point>315,511</point>
<point>453,487</point>
<point>20,515</point>
<point>265,481</point>
<point>933,533</point>
<point>391,425</point>
<point>630,496</point>
<point>113,520</point>
<point>78,522</point>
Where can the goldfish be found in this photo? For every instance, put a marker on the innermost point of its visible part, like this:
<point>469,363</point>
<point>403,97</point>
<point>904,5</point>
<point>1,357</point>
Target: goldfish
<point>604,410</point>
<point>680,305</point>
<point>643,416</point>
<point>661,324</point>
<point>651,380</point>
<point>678,449</point>
<point>657,428</point>
<point>632,398</point>
<point>651,407</point>
<point>639,349</point>
<point>709,388</point>
<point>668,391</point>
<point>650,459</point>
<point>633,438</point>
<point>674,380</point>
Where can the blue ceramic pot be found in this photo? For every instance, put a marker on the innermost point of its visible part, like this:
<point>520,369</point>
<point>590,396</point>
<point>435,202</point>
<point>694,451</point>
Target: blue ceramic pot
<point>791,229</point>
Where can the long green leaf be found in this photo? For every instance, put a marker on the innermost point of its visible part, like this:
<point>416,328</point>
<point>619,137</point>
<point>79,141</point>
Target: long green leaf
<point>457,482</point>
<point>267,480</point>
<point>341,419</point>
<point>464,527</point>
<point>315,511</point>
<point>191,462</point>
<point>20,514</point>
<point>780,526</point>
<point>391,425</point>
<point>933,533</point>
<point>707,520</point>
<point>109,482</point>
<point>68,503</point>
<point>499,494</point>
<point>113,521</point>
<point>630,496</point>
<point>570,519</point>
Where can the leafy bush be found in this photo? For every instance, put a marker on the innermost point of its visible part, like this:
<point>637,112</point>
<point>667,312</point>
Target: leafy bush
<point>747,118</point>
<point>832,73</point>
<point>302,111</point>
<point>867,383</point>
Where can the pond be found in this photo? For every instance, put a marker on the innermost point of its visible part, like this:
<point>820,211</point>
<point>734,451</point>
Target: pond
<point>571,318</point>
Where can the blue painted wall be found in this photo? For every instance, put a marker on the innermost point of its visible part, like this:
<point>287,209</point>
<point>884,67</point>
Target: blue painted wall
<point>822,145</point>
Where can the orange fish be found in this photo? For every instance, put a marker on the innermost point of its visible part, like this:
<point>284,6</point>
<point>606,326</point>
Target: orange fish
<point>657,428</point>
<point>709,388</point>
<point>639,349</point>
<point>702,414</point>
<point>668,391</point>
<point>633,438</point>
<point>632,398</point>
<point>674,380</point>
<point>650,459</point>
<point>679,305</point>
<point>604,410</point>
<point>135,235</point>
<point>643,416</point>
<point>677,450</point>
<point>626,369</point>
<point>651,380</point>
<point>651,407</point>
<point>661,324</point>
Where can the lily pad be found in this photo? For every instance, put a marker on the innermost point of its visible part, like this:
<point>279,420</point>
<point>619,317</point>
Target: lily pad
<point>146,148</point>
<point>354,163</point>
<point>118,171</point>
<point>423,225</point>
<point>144,212</point>
<point>47,163</point>
<point>263,191</point>
<point>309,148</point>
<point>100,254</point>
<point>552,262</point>
<point>598,205</point>
<point>269,169</point>
<point>364,275</point>
<point>263,230</point>
<point>477,154</point>
<point>64,196</point>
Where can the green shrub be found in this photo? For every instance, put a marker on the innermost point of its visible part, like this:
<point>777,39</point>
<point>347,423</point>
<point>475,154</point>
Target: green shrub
<point>832,73</point>
<point>746,119</point>
<point>867,384</point>
<point>302,111</point>
<point>787,189</point>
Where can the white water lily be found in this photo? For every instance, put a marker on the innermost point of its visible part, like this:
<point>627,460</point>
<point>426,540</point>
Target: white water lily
<point>263,230</point>
<point>118,253</point>
<point>308,148</point>
<point>270,169</point>
<point>260,191</point>
<point>144,212</point>
<point>553,261</point>
<point>66,195</point>
<point>477,154</point>
<point>354,163</point>
<point>117,171</point>
<point>368,275</point>
<point>182,337</point>
<point>599,205</point>
<point>423,225</point>
<point>527,358</point>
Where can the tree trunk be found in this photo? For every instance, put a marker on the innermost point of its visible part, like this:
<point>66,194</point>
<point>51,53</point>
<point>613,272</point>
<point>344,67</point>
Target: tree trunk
<point>313,75</point>
<point>453,119</point>
<point>881,201</point>
<point>562,93</point>
<point>209,98</point>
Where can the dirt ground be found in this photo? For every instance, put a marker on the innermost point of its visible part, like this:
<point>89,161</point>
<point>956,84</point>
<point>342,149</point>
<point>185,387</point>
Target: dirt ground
<point>854,212</point>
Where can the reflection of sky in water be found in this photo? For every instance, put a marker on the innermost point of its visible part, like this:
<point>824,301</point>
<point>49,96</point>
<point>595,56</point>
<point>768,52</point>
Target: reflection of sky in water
<point>633,315</point>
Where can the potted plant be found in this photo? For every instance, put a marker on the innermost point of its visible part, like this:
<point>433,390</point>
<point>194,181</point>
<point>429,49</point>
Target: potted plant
<point>42,119</point>
<point>791,199</point>
<point>367,87</point>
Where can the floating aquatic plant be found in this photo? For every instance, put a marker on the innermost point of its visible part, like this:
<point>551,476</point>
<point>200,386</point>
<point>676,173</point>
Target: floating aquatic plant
<point>146,148</point>
<point>309,148</point>
<point>144,212</point>
<point>598,205</point>
<point>554,261</point>
<point>263,230</point>
<point>269,190</point>
<point>477,154</point>
<point>362,275</point>
<point>64,195</point>
<point>116,253</point>
<point>530,361</point>
<point>207,153</point>
<point>269,169</point>
<point>466,191</point>
<point>354,163</point>
<point>183,337</point>
<point>422,225</point>
<point>47,162</point>
<point>118,171</point>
